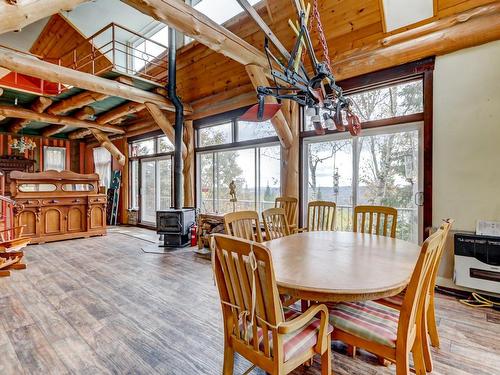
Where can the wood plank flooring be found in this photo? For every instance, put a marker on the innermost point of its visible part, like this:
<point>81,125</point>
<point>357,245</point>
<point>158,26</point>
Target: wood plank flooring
<point>102,306</point>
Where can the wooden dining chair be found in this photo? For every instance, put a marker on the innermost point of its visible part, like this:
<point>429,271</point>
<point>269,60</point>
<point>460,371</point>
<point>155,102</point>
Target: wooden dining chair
<point>385,331</point>
<point>275,223</point>
<point>255,325</point>
<point>290,206</point>
<point>379,220</point>
<point>321,216</point>
<point>429,325</point>
<point>243,224</point>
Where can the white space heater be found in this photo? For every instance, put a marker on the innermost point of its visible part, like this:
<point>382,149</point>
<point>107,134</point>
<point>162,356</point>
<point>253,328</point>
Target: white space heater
<point>477,262</point>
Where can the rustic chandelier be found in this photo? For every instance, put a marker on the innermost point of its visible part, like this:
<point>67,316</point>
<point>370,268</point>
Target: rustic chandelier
<point>22,144</point>
<point>322,98</point>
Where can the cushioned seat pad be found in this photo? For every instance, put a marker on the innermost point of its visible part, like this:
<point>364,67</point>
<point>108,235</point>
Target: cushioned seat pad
<point>368,320</point>
<point>294,343</point>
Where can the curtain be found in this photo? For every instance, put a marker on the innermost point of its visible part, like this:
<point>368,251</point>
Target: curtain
<point>54,158</point>
<point>102,165</point>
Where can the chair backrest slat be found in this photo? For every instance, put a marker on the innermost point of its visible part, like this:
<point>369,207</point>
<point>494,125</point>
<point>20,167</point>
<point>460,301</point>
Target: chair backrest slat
<point>243,224</point>
<point>417,290</point>
<point>290,206</point>
<point>388,214</point>
<point>321,216</point>
<point>275,223</point>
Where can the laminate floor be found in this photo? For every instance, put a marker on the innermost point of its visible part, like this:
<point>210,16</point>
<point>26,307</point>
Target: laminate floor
<point>102,306</point>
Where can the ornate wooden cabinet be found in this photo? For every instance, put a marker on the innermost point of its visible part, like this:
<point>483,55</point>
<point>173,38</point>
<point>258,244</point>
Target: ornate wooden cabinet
<point>58,205</point>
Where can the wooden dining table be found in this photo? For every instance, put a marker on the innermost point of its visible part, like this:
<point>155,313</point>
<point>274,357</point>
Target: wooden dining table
<point>342,266</point>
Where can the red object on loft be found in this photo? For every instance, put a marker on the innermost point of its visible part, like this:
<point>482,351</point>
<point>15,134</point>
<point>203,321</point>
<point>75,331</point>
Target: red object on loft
<point>269,111</point>
<point>23,82</point>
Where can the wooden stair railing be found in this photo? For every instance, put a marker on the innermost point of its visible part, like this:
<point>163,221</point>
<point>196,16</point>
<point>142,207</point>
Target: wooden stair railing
<point>11,241</point>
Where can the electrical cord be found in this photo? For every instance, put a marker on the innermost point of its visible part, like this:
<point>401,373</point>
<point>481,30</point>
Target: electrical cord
<point>477,300</point>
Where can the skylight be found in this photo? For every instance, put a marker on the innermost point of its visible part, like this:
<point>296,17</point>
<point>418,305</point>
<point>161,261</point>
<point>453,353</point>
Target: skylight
<point>220,10</point>
<point>400,13</point>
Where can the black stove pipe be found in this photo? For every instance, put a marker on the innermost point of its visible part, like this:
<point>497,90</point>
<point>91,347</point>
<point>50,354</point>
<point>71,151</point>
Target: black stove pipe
<point>179,120</point>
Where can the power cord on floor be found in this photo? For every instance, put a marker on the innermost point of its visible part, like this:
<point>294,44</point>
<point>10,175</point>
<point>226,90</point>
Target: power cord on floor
<point>477,300</point>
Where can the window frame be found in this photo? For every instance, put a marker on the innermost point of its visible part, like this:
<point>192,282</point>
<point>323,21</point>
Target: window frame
<point>422,69</point>
<point>256,144</point>
<point>45,148</point>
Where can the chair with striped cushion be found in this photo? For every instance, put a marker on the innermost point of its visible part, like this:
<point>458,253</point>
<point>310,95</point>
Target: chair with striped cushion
<point>385,331</point>
<point>429,320</point>
<point>380,220</point>
<point>284,339</point>
<point>243,224</point>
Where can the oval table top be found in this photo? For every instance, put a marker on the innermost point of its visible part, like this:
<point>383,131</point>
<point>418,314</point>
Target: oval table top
<point>342,266</point>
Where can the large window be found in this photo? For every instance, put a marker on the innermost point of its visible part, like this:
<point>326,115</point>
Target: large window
<point>383,166</point>
<point>220,11</point>
<point>54,158</point>
<point>246,153</point>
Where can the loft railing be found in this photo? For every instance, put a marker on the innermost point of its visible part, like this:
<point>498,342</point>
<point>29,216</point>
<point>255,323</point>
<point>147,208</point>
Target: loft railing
<point>120,49</point>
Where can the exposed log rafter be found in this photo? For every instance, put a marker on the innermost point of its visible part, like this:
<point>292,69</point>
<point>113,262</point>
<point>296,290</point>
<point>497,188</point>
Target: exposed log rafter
<point>22,113</point>
<point>38,106</point>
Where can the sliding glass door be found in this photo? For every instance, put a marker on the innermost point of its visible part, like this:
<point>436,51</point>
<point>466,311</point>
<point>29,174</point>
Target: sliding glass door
<point>155,187</point>
<point>381,167</point>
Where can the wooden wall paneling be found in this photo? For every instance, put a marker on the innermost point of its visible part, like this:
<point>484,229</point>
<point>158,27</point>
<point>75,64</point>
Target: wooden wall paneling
<point>60,37</point>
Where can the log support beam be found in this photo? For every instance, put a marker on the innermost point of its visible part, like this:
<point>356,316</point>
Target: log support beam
<point>126,109</point>
<point>34,67</point>
<point>84,113</point>
<point>105,142</point>
<point>39,105</point>
<point>164,124</point>
<point>21,113</point>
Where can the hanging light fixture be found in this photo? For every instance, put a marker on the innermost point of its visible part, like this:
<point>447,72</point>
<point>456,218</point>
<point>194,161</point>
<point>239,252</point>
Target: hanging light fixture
<point>22,144</point>
<point>318,92</point>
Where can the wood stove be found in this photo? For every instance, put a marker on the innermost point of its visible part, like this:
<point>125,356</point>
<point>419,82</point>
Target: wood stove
<point>174,225</point>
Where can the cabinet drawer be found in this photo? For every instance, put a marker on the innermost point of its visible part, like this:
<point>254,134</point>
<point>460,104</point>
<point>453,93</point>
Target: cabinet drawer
<point>94,200</point>
<point>64,201</point>
<point>29,202</point>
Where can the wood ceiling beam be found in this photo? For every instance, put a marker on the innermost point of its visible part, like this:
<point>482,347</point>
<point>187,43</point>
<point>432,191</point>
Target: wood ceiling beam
<point>188,20</point>
<point>22,113</point>
<point>84,113</point>
<point>119,112</point>
<point>24,12</point>
<point>79,134</point>
<point>38,106</point>
<point>31,66</point>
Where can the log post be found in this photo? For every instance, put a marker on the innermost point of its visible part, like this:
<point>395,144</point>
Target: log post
<point>39,105</point>
<point>188,170</point>
<point>105,142</point>
<point>258,78</point>
<point>290,162</point>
